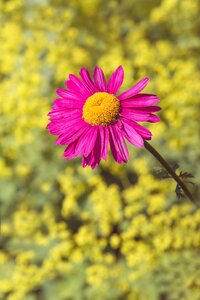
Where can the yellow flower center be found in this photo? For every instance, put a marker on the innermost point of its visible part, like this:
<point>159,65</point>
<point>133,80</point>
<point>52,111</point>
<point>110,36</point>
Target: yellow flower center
<point>101,109</point>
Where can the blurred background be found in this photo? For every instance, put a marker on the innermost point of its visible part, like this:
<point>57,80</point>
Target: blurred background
<point>117,232</point>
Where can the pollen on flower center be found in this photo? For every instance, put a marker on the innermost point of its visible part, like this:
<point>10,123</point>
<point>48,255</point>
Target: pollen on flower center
<point>101,109</point>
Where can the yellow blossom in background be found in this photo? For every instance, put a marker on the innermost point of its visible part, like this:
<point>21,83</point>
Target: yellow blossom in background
<point>117,232</point>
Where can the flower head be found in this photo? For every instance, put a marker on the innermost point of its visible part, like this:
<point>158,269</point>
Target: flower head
<point>89,116</point>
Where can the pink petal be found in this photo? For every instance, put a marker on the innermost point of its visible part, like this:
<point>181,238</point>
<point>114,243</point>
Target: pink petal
<point>116,80</point>
<point>85,142</point>
<point>70,151</point>
<point>57,126</point>
<point>71,135</point>
<point>69,103</point>
<point>63,112</point>
<point>68,94</point>
<point>115,154</point>
<point>90,140</point>
<point>87,80</point>
<point>142,131</point>
<point>138,116</point>
<point>96,151</point>
<point>76,90</point>
<point>77,147</point>
<point>153,118</point>
<point>99,79</point>
<point>140,100</point>
<point>118,145</point>
<point>104,141</point>
<point>67,113</point>
<point>137,88</point>
<point>87,160</point>
<point>148,109</point>
<point>80,85</point>
<point>94,157</point>
<point>131,134</point>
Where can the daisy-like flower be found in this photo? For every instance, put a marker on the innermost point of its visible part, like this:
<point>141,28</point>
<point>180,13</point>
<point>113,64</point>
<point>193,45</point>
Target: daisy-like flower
<point>89,116</point>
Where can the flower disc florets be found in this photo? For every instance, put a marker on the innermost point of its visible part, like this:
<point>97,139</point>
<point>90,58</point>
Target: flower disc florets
<point>101,109</point>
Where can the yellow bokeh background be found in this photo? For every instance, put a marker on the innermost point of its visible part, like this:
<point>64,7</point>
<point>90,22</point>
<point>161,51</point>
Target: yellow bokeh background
<point>117,232</point>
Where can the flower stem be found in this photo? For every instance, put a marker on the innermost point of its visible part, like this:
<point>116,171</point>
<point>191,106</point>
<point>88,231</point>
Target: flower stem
<point>169,170</point>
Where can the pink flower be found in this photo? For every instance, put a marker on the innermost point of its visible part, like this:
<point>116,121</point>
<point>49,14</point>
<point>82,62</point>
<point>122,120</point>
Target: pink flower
<point>89,116</point>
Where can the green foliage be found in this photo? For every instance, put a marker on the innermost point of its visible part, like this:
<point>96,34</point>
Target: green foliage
<point>69,233</point>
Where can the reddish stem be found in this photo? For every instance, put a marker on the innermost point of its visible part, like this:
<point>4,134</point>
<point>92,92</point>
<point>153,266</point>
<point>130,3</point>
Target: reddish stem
<point>169,170</point>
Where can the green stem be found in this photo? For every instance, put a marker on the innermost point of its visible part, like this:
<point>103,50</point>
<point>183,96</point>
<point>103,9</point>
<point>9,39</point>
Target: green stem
<point>169,170</point>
